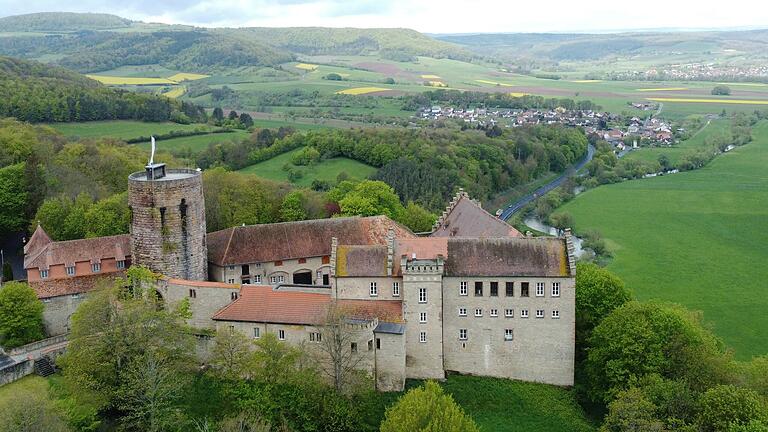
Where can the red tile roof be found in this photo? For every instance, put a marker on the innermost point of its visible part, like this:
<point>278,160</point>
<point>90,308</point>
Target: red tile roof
<point>292,240</point>
<point>541,256</point>
<point>39,240</point>
<point>423,248</point>
<point>72,285</point>
<point>263,304</point>
<point>69,252</point>
<point>366,260</point>
<point>465,218</point>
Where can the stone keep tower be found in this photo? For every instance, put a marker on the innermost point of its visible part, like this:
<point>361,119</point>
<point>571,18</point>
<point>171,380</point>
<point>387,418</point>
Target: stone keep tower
<point>168,221</point>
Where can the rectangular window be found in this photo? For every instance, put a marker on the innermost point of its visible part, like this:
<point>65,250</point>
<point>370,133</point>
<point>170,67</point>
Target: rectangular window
<point>120,264</point>
<point>246,281</point>
<point>374,290</point>
<point>422,295</point>
<point>463,288</point>
<point>370,345</point>
<point>96,267</point>
<point>422,317</point>
<point>539,313</point>
<point>494,312</point>
<point>494,289</point>
<point>555,314</point>
<point>353,347</point>
<point>233,296</point>
<point>76,295</point>
<point>423,337</point>
<point>524,289</point>
<point>245,269</point>
<point>280,278</point>
<point>508,335</point>
<point>231,329</point>
<point>281,334</point>
<point>462,311</point>
<point>395,289</point>
<point>509,313</point>
<point>378,343</point>
<point>315,337</point>
<point>230,267</point>
<point>43,274</point>
<point>256,332</point>
<point>510,286</point>
<point>230,281</point>
<point>524,313</point>
<point>257,279</point>
<point>256,265</point>
<point>302,260</point>
<point>462,334</point>
<point>70,270</point>
<point>555,289</point>
<point>478,312</point>
<point>192,293</point>
<point>478,289</point>
<point>539,289</point>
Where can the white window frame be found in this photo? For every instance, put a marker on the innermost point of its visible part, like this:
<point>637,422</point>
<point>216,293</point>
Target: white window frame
<point>422,295</point>
<point>478,312</point>
<point>509,335</point>
<point>281,335</point>
<point>463,288</point>
<point>70,270</point>
<point>555,289</point>
<point>423,337</point>
<point>231,281</point>
<point>462,311</point>
<point>44,274</point>
<point>494,312</point>
<point>257,279</point>
<point>96,268</point>
<point>230,267</point>
<point>509,313</point>
<point>422,317</point>
<point>523,313</point>
<point>395,289</point>
<point>462,334</point>
<point>76,295</point>
<point>120,264</point>
<point>555,314</point>
<point>540,289</point>
<point>373,291</point>
<point>256,332</point>
<point>539,313</point>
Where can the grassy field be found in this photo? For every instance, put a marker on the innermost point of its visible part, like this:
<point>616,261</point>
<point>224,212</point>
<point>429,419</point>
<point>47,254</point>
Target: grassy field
<point>30,383</point>
<point>325,170</point>
<point>697,238</point>
<point>122,129</point>
<point>196,143</point>
<point>499,405</point>
<point>675,153</point>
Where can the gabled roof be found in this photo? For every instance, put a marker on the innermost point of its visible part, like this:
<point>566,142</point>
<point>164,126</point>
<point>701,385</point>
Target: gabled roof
<point>39,240</point>
<point>72,285</point>
<point>292,240</point>
<point>69,252</point>
<point>509,256</point>
<point>465,218</point>
<point>361,260</point>
<point>264,304</point>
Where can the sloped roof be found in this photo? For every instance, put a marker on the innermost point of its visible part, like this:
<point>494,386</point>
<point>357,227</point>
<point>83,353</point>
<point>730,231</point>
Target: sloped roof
<point>264,304</point>
<point>72,285</point>
<point>292,240</point>
<point>465,218</point>
<point>361,260</point>
<point>422,247</point>
<point>39,240</point>
<point>390,328</point>
<point>509,256</point>
<point>72,251</point>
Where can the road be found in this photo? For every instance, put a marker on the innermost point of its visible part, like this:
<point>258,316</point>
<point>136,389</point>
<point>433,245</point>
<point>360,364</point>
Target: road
<point>522,202</point>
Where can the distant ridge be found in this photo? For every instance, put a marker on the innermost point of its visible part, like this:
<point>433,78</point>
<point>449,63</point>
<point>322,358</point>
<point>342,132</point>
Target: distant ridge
<point>61,22</point>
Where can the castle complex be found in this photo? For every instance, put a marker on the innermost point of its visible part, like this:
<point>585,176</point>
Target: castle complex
<point>473,297</point>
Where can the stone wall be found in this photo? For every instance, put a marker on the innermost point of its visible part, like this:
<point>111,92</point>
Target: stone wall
<point>16,372</point>
<point>261,273</point>
<point>423,360</point>
<point>57,314</point>
<point>390,362</point>
<point>360,288</point>
<point>542,349</point>
<point>205,298</point>
<point>168,224</point>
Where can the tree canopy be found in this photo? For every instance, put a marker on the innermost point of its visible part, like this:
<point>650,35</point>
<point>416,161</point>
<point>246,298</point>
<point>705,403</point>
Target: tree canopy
<point>427,409</point>
<point>21,315</point>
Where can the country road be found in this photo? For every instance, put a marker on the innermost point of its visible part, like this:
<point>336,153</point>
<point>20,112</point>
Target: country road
<point>522,202</point>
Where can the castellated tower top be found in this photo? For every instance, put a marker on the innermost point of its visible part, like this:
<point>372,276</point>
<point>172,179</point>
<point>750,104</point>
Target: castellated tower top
<point>168,221</point>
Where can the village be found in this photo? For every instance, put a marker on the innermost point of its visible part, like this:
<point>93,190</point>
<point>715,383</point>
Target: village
<point>613,128</point>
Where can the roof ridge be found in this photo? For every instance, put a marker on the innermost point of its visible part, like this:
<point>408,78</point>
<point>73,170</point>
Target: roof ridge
<point>90,239</point>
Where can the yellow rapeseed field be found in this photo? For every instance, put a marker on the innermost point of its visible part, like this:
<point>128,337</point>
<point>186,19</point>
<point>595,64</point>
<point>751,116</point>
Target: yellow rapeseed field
<point>494,83</point>
<point>186,76</point>
<point>307,66</point>
<point>362,90</point>
<point>718,101</point>
<point>662,89</point>
<point>438,84</point>
<point>175,92</point>
<point>432,77</point>
<point>518,94</point>
<point>114,80</point>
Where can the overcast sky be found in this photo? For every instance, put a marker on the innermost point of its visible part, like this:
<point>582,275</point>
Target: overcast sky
<point>433,16</point>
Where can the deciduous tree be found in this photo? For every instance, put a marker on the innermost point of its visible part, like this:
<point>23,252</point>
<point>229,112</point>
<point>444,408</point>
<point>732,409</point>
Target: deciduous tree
<point>21,315</point>
<point>427,409</point>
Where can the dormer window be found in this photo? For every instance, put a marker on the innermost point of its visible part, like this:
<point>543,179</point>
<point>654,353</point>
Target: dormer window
<point>43,274</point>
<point>121,264</point>
<point>95,267</point>
<point>70,270</point>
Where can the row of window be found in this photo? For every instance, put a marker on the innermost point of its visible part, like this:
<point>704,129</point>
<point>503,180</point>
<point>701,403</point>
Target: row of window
<point>245,269</point>
<point>509,288</point>
<point>95,268</point>
<point>374,289</point>
<point>509,334</point>
<point>508,313</point>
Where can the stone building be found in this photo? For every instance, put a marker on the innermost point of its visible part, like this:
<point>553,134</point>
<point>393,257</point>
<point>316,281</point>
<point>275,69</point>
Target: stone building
<point>474,296</point>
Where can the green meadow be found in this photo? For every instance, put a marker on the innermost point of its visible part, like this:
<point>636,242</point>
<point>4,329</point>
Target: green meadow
<point>697,238</point>
<point>121,129</point>
<point>676,152</point>
<point>327,170</point>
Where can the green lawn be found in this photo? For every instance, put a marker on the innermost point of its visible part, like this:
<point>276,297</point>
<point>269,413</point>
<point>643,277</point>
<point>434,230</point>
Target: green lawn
<point>500,405</point>
<point>197,142</point>
<point>30,383</point>
<point>325,170</point>
<point>122,129</point>
<point>675,153</point>
<point>697,238</point>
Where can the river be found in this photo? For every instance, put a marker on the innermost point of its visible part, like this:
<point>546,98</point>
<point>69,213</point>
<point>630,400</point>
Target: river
<point>541,226</point>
